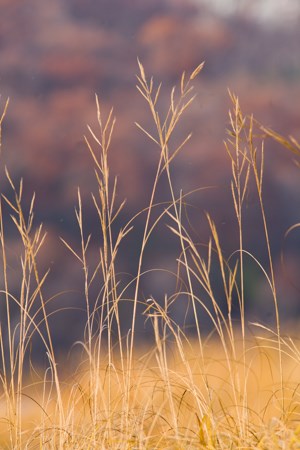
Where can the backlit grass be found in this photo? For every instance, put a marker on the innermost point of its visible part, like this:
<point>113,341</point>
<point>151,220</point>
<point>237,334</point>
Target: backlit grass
<point>237,387</point>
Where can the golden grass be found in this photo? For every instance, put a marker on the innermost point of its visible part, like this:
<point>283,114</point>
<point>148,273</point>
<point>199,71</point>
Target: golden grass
<point>167,408</point>
<point>236,388</point>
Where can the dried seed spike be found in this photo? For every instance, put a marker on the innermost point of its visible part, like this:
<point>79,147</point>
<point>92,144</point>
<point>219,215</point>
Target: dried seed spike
<point>142,71</point>
<point>21,189</point>
<point>98,110</point>
<point>151,85</point>
<point>295,142</point>
<point>182,82</point>
<point>157,94</point>
<point>172,99</point>
<point>197,70</point>
<point>9,178</point>
<point>32,204</point>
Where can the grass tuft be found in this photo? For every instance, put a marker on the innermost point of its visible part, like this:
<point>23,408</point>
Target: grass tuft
<point>236,387</point>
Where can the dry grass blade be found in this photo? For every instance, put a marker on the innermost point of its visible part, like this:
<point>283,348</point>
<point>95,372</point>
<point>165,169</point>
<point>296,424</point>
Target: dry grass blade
<point>291,144</point>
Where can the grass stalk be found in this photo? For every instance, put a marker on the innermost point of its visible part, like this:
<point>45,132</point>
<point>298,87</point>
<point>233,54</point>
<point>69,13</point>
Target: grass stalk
<point>207,390</point>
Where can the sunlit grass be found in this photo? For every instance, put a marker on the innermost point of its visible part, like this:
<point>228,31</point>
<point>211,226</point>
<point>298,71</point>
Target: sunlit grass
<point>234,388</point>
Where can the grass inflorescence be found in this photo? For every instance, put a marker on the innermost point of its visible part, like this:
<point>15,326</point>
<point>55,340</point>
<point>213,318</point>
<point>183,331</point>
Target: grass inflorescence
<point>227,389</point>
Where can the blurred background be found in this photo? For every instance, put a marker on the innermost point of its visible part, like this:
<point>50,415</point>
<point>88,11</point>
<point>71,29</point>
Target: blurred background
<point>54,57</point>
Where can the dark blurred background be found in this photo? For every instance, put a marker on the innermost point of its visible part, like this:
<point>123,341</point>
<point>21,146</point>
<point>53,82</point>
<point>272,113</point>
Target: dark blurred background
<point>54,57</point>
